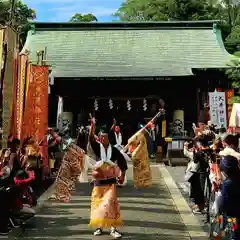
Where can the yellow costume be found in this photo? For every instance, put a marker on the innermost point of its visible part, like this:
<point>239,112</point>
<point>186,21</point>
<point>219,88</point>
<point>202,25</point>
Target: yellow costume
<point>105,210</point>
<point>141,167</point>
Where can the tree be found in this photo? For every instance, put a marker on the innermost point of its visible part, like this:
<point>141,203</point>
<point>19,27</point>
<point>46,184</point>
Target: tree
<point>234,74</point>
<point>232,9</point>
<point>157,10</point>
<point>4,12</point>
<point>233,40</point>
<point>143,10</point>
<point>17,14</point>
<point>183,10</point>
<point>78,17</point>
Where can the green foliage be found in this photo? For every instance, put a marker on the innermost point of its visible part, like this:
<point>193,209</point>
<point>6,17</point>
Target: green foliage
<point>16,12</point>
<point>156,10</point>
<point>4,12</point>
<point>143,10</point>
<point>18,15</point>
<point>233,74</point>
<point>233,39</point>
<point>78,17</point>
<point>235,99</point>
<point>237,54</point>
<point>189,10</point>
<point>22,13</point>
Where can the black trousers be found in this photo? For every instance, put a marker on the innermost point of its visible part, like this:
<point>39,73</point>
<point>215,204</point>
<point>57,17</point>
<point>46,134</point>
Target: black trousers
<point>196,190</point>
<point>4,208</point>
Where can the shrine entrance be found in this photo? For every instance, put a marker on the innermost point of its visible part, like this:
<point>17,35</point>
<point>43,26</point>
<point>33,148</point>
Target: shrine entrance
<point>129,101</point>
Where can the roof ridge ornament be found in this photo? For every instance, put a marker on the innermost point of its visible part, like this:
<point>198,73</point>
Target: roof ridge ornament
<point>215,27</point>
<point>33,28</point>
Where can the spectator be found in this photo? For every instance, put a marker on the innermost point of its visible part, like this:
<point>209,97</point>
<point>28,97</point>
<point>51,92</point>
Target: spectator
<point>22,181</point>
<point>230,191</point>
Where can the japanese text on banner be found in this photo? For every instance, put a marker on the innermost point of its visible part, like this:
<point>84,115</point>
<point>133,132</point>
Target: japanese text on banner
<point>217,102</point>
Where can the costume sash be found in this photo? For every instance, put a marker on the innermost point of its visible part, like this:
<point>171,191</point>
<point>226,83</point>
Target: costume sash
<point>118,138</point>
<point>105,156</point>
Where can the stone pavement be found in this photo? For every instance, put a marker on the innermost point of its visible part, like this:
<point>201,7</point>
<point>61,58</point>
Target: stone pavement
<point>148,214</point>
<point>177,173</point>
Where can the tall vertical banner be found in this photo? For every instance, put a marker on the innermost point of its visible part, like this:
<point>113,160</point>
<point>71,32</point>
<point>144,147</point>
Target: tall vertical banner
<point>218,113</point>
<point>9,80</point>
<point>1,46</point>
<point>229,94</point>
<point>36,108</point>
<point>1,58</point>
<point>60,113</point>
<point>22,66</point>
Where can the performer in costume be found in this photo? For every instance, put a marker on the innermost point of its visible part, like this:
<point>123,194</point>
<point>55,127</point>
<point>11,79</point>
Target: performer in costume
<point>105,211</point>
<point>71,168</point>
<point>116,135</point>
<point>117,141</point>
<point>141,168</point>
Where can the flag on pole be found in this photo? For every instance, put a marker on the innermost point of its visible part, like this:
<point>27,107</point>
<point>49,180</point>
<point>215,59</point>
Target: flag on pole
<point>60,113</point>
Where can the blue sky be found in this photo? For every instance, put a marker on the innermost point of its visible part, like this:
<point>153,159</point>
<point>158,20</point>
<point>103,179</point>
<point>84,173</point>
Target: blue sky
<point>63,10</point>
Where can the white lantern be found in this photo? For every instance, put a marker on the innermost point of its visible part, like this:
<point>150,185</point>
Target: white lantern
<point>129,105</point>
<point>144,105</point>
<point>96,104</point>
<point>110,104</point>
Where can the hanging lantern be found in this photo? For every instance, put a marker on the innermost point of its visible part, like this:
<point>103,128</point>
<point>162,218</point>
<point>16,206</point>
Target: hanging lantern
<point>129,105</point>
<point>110,104</point>
<point>144,105</point>
<point>96,104</point>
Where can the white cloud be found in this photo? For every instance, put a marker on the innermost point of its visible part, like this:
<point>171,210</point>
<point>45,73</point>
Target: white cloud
<point>63,10</point>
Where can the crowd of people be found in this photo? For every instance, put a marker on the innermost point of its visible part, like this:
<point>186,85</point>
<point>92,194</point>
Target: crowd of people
<point>16,175</point>
<point>213,170</point>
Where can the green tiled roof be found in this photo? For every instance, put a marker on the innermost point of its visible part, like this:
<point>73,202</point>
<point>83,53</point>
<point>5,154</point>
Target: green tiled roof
<point>128,49</point>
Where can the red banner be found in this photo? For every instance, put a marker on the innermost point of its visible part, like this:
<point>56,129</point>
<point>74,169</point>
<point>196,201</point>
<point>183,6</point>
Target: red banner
<point>229,94</point>
<point>36,108</point>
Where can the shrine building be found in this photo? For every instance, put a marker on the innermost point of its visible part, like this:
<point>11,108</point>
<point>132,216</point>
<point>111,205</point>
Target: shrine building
<point>128,63</point>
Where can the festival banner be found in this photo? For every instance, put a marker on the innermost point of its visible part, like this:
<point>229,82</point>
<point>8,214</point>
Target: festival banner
<point>10,75</point>
<point>60,113</point>
<point>28,80</point>
<point>217,104</point>
<point>36,109</point>
<point>229,94</point>
<point>22,65</point>
<point>1,46</point>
